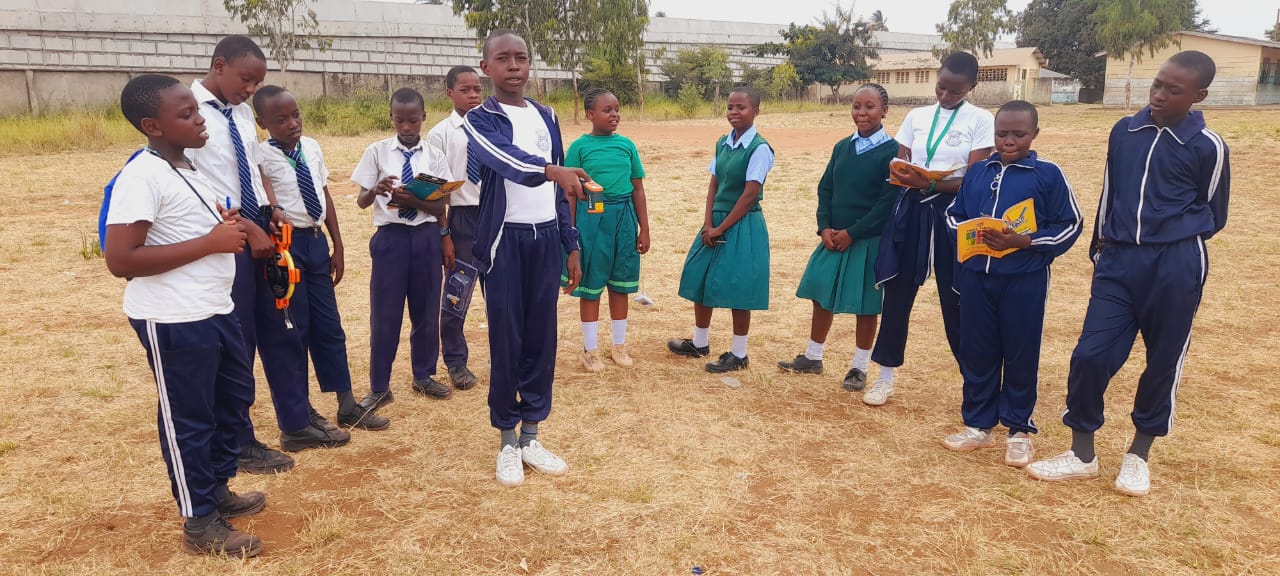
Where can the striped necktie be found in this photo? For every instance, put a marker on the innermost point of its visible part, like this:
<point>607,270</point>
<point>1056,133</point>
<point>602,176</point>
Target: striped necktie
<point>306,186</point>
<point>406,176</point>
<point>248,200</point>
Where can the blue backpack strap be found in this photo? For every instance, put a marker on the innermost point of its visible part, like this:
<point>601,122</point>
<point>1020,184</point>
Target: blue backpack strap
<point>106,202</point>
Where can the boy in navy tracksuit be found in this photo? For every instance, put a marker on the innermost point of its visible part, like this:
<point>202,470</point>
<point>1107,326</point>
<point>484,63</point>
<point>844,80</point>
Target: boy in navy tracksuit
<point>1164,193</point>
<point>521,240</point>
<point>1002,300</point>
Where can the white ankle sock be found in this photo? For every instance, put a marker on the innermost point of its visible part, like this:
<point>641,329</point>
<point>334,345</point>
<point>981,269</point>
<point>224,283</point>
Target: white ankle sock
<point>619,333</point>
<point>886,374</point>
<point>739,347</point>
<point>814,350</point>
<point>590,336</point>
<point>701,336</point>
<point>861,359</point>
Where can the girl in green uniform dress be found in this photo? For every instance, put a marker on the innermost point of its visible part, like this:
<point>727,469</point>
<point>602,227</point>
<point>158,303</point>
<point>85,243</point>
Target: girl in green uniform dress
<point>854,204</point>
<point>728,263</point>
<point>612,240</point>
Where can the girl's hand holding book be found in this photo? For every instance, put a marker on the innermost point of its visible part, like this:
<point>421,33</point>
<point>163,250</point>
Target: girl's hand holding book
<point>1005,239</point>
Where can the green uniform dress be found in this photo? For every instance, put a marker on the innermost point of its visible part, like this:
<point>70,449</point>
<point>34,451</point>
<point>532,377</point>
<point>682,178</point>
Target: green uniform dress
<point>609,257</point>
<point>735,273</point>
<point>853,196</point>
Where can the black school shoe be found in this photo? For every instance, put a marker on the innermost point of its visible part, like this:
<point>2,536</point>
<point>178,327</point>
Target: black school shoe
<point>684,347</point>
<point>462,378</point>
<point>218,538</point>
<point>313,437</point>
<point>320,422</point>
<point>802,365</point>
<point>375,400</point>
<point>363,418</point>
<point>727,363</point>
<point>855,380</point>
<point>235,505</point>
<point>256,458</point>
<point>431,388</point>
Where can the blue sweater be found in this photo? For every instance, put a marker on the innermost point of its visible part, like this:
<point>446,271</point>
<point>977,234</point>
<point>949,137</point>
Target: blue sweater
<point>492,160</point>
<point>1162,185</point>
<point>990,188</point>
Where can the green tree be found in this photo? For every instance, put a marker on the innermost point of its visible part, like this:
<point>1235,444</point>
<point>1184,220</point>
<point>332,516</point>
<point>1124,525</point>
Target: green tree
<point>836,51</point>
<point>1128,29</point>
<point>1274,33</point>
<point>287,25</point>
<point>625,22</point>
<point>1061,29</point>
<point>705,67</point>
<point>974,25</point>
<point>878,23</point>
<point>535,20</point>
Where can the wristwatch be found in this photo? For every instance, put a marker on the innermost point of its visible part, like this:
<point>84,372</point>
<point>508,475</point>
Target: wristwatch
<point>445,231</point>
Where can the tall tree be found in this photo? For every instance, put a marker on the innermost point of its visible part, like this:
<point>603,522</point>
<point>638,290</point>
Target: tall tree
<point>535,21</point>
<point>878,23</point>
<point>974,25</point>
<point>613,29</point>
<point>1130,29</point>
<point>287,25</point>
<point>706,67</point>
<point>836,51</point>
<point>1274,33</point>
<point>1061,29</point>
<point>625,22</point>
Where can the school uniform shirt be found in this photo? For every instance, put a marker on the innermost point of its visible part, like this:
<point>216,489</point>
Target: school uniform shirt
<point>972,129</point>
<point>761,161</point>
<point>447,158</point>
<point>386,158</point>
<point>217,158</point>
<point>279,169</point>
<point>854,194</point>
<point>149,189</point>
<point>992,187</point>
<point>1163,185</point>
<point>537,203</point>
<point>612,162</point>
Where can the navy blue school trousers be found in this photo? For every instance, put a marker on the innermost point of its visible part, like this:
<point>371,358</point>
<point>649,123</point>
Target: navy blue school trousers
<point>314,310</point>
<point>520,293</point>
<point>204,387</point>
<point>284,359</point>
<point>406,267</point>
<point>1153,290</point>
<point>1001,323</point>
<point>923,241</point>
<point>462,227</point>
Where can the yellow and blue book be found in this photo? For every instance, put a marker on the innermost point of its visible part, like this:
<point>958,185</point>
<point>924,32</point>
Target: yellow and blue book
<point>428,188</point>
<point>970,241</point>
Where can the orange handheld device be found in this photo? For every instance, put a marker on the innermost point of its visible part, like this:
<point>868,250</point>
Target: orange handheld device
<point>595,197</point>
<point>282,275</point>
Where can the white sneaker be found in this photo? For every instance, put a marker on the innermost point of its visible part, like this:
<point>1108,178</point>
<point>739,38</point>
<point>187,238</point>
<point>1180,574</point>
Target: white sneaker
<point>1018,451</point>
<point>1135,477</point>
<point>510,470</point>
<point>542,459</point>
<point>878,393</point>
<point>1064,466</point>
<point>968,440</point>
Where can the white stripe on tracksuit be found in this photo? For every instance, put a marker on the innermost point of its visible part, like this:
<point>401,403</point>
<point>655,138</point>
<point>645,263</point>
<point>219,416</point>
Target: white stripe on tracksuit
<point>166,417</point>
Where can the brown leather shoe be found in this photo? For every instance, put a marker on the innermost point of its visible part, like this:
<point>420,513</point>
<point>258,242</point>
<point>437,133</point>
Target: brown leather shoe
<point>219,538</point>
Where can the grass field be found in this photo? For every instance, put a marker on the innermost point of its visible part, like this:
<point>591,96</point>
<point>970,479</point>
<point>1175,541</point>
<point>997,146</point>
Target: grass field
<point>670,468</point>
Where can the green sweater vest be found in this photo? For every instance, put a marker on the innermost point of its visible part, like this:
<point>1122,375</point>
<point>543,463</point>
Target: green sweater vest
<point>854,194</point>
<point>731,173</point>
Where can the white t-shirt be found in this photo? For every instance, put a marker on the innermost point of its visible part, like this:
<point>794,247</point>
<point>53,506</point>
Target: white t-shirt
<point>217,158</point>
<point>973,129</point>
<point>447,158</point>
<point>149,190</point>
<point>278,168</point>
<point>527,205</point>
<point>386,158</point>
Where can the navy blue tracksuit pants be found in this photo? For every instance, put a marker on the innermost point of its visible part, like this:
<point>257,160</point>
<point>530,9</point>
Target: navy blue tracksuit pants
<point>520,293</point>
<point>284,359</point>
<point>204,386</point>
<point>1153,290</point>
<point>406,266</point>
<point>927,241</point>
<point>1001,323</point>
<point>315,310</point>
<point>462,226</point>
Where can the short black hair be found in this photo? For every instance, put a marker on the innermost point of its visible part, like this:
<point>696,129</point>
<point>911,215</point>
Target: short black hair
<point>751,93</point>
<point>235,47</point>
<point>884,94</point>
<point>1199,63</point>
<point>962,63</point>
<point>452,77</point>
<point>263,94</point>
<point>408,96</point>
<point>1021,106</point>
<point>496,34</point>
<point>589,101</point>
<point>141,97</point>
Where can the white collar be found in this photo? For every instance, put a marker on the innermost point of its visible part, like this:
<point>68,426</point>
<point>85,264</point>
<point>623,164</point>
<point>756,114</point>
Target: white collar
<point>742,142</point>
<point>455,119</point>
<point>879,137</point>
<point>398,146</point>
<point>204,96</point>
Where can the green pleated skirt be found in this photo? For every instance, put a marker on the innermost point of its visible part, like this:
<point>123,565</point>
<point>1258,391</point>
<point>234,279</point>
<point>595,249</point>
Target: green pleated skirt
<point>843,282</point>
<point>734,274</point>
<point>609,257</point>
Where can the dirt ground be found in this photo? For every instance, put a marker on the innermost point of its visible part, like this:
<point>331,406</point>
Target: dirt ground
<point>670,469</point>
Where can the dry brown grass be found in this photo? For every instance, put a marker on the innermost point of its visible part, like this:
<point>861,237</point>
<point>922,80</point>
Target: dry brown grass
<point>670,468</point>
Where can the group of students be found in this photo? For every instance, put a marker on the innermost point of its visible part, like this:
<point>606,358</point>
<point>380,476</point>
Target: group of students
<point>190,223</point>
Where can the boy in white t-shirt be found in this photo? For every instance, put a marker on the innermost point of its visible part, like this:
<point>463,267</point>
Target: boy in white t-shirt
<point>170,237</point>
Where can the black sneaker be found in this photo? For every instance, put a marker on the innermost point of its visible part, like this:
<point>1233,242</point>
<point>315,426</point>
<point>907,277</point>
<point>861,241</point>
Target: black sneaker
<point>462,378</point>
<point>219,538</point>
<point>313,437</point>
<point>363,418</point>
<point>855,380</point>
<point>256,458</point>
<point>802,365</point>
<point>429,387</point>
<point>319,421</point>
<point>685,347</point>
<point>727,363</point>
<point>375,400</point>
<point>235,505</point>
